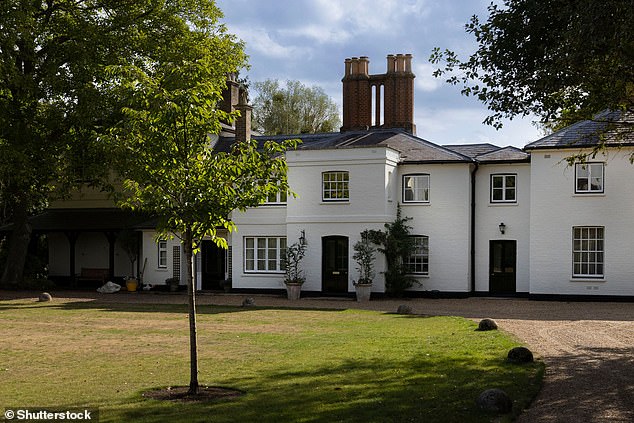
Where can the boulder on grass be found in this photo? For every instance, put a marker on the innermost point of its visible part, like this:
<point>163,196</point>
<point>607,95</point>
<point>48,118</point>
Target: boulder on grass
<point>495,400</point>
<point>248,302</point>
<point>404,309</point>
<point>520,355</point>
<point>44,296</point>
<point>487,324</point>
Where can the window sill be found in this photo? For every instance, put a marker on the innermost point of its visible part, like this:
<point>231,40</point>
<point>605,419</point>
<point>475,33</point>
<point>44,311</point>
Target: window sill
<point>263,274</point>
<point>330,203</point>
<point>504,204</point>
<point>589,194</point>
<point>161,269</point>
<point>587,280</point>
<point>420,276</point>
<point>416,203</point>
<point>273,205</point>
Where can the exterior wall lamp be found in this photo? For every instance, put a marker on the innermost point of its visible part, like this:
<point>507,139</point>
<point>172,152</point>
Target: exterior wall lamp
<point>502,227</point>
<point>302,237</point>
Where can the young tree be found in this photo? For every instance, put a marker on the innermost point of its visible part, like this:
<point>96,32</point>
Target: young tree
<point>562,60</point>
<point>293,109</point>
<point>171,170</point>
<point>396,244</point>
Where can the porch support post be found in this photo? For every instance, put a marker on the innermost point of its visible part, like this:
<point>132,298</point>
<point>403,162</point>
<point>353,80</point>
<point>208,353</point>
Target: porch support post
<point>72,241</point>
<point>112,237</point>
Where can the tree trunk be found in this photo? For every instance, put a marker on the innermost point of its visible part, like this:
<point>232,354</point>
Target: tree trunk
<point>18,246</point>
<point>191,292</point>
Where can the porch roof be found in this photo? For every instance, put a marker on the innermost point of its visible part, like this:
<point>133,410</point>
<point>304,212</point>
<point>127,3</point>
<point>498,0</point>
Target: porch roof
<point>87,220</point>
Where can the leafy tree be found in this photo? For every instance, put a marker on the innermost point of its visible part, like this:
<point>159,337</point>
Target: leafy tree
<point>172,171</point>
<point>562,60</point>
<point>56,99</point>
<point>396,244</point>
<point>292,109</point>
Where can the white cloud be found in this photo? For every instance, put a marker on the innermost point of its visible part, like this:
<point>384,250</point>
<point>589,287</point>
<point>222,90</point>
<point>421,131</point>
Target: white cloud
<point>464,126</point>
<point>425,81</point>
<point>259,40</point>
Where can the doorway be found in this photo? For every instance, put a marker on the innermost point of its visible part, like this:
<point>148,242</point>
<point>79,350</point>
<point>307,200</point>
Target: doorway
<point>334,274</point>
<point>502,266</point>
<point>213,265</point>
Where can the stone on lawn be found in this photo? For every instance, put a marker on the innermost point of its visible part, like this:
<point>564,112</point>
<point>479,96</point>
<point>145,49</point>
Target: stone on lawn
<point>520,355</point>
<point>248,302</point>
<point>487,324</point>
<point>495,400</point>
<point>404,309</point>
<point>44,296</point>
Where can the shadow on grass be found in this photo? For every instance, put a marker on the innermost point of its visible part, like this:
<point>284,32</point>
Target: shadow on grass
<point>151,308</point>
<point>357,390</point>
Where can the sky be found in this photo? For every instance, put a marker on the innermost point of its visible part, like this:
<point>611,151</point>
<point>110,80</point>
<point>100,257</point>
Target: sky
<point>308,40</point>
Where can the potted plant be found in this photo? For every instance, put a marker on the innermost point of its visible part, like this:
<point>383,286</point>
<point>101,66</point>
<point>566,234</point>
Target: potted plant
<point>364,256</point>
<point>173,284</point>
<point>294,278</point>
<point>129,241</point>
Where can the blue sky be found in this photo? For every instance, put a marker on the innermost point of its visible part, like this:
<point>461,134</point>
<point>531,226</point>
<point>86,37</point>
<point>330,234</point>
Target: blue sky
<point>308,40</point>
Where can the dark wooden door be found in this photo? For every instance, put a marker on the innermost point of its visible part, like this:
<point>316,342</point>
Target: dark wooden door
<point>334,264</point>
<point>213,265</point>
<point>502,266</point>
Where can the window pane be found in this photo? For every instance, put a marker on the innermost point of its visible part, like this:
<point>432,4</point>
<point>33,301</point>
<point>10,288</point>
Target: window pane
<point>510,194</point>
<point>510,181</point>
<point>497,182</point>
<point>587,256</point>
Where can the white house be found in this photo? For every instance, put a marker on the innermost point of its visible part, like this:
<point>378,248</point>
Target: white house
<point>487,220</point>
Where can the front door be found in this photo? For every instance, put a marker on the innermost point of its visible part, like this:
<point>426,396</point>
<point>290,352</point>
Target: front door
<point>334,273</point>
<point>502,266</point>
<point>213,265</point>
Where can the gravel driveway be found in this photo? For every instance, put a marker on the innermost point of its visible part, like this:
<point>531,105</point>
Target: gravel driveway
<point>588,347</point>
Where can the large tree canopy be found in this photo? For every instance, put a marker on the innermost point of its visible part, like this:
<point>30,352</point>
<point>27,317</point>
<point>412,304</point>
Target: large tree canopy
<point>56,98</point>
<point>292,108</point>
<point>562,60</point>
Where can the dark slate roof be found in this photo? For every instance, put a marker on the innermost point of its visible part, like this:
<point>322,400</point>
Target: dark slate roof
<point>611,128</point>
<point>472,150</point>
<point>87,220</point>
<point>412,148</point>
<point>506,154</point>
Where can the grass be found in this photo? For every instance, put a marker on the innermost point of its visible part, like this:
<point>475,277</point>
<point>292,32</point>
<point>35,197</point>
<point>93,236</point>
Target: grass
<point>294,365</point>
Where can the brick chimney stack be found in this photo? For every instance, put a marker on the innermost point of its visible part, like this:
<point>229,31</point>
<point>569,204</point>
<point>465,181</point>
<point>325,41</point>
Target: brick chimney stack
<point>243,122</point>
<point>396,101</point>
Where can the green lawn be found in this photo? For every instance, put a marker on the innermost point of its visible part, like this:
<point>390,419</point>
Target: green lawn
<point>294,365</point>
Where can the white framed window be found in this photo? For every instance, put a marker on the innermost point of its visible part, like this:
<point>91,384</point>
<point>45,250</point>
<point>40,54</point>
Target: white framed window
<point>264,254</point>
<point>503,188</point>
<point>162,253</point>
<point>589,178</point>
<point>416,188</point>
<point>335,186</point>
<point>587,251</point>
<point>277,198</point>
<point>418,261</point>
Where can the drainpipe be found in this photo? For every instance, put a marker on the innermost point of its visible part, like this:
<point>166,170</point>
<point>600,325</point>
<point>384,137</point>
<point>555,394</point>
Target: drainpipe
<point>473,222</point>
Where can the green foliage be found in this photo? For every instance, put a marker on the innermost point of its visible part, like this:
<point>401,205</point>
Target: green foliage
<point>57,98</point>
<point>293,256</point>
<point>293,109</point>
<point>558,59</point>
<point>364,256</point>
<point>397,245</point>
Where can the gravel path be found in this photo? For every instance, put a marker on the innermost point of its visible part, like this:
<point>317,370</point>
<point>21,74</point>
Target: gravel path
<point>588,347</point>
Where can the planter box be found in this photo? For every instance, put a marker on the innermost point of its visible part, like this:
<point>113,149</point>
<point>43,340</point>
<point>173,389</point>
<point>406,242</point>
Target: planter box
<point>293,290</point>
<point>363,292</point>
